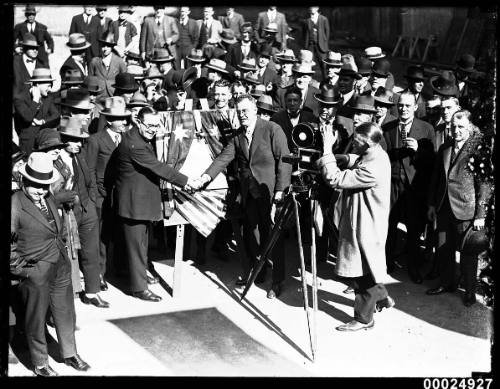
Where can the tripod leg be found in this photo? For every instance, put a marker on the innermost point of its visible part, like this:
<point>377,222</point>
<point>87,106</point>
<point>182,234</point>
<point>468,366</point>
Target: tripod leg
<point>313,205</point>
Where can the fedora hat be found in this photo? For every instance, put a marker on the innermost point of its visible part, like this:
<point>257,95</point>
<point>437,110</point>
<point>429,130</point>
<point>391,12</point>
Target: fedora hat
<point>125,82</point>
<point>445,84</point>
<point>374,52</point>
<point>265,102</point>
<point>265,50</point>
<point>71,126</point>
<point>333,59</point>
<point>364,103</point>
<point>115,106</point>
<point>474,241</point>
<point>227,35</point>
<point>286,56</point>
<point>30,9</point>
<point>138,100</point>
<point>211,51</point>
<point>189,75</point>
<point>303,68</point>
<point>415,73</point>
<point>271,27</point>
<point>78,98</point>
<point>125,8</point>
<point>381,67</point>
<point>39,168</point>
<point>161,55</point>
<point>248,65</point>
<point>466,63</point>
<point>347,69</point>
<point>364,66</point>
<point>251,78</point>
<point>72,77</point>
<point>101,8</point>
<point>17,154</point>
<point>136,70</point>
<point>384,96</point>
<point>108,39</point>
<point>218,65</point>
<point>328,95</point>
<point>77,41</point>
<point>196,55</point>
<point>49,138</point>
<point>29,40</point>
<point>133,55</point>
<point>306,56</point>
<point>41,75</point>
<point>258,90</point>
<point>153,72</point>
<point>93,84</point>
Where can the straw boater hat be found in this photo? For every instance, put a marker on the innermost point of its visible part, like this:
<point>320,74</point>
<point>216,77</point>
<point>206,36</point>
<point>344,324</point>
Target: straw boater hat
<point>265,103</point>
<point>328,95</point>
<point>445,84</point>
<point>39,168</point>
<point>196,55</point>
<point>71,126</point>
<point>415,73</point>
<point>364,103</point>
<point>29,40</point>
<point>258,90</point>
<point>40,75</point>
<point>374,52</point>
<point>115,106</point>
<point>78,98</point>
<point>49,138</point>
<point>248,65</point>
<point>466,63</point>
<point>93,84</point>
<point>161,55</point>
<point>218,65</point>
<point>125,82</point>
<point>227,35</point>
<point>333,59</point>
<point>138,100</point>
<point>384,97</point>
<point>77,41</point>
<point>286,56</point>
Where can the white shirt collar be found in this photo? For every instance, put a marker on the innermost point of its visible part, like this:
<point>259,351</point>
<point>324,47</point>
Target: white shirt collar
<point>347,96</point>
<point>314,17</point>
<point>114,135</point>
<point>107,60</point>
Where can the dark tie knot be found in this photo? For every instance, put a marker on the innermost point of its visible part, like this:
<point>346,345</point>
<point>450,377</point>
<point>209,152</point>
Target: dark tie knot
<point>30,60</point>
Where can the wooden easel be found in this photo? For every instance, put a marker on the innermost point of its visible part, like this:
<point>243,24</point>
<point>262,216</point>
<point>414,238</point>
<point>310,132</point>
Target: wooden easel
<point>410,45</point>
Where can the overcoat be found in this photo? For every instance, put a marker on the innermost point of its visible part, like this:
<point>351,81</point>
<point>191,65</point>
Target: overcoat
<point>116,66</point>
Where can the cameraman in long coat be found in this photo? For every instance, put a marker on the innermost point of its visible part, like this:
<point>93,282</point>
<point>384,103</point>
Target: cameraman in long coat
<point>361,215</point>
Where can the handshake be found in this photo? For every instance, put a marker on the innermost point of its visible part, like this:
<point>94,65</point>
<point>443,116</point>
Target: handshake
<point>194,184</point>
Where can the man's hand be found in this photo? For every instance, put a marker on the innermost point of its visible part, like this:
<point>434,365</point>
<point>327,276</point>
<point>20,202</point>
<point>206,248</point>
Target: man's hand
<point>431,213</point>
<point>273,212</point>
<point>66,196</point>
<point>37,122</point>
<point>412,143</point>
<point>478,224</point>
<point>237,74</point>
<point>278,196</point>
<point>192,184</point>
<point>143,55</point>
<point>329,138</point>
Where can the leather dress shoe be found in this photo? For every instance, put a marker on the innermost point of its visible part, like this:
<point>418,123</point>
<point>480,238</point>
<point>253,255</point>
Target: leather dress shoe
<point>469,299</point>
<point>103,284</point>
<point>147,295</point>
<point>356,326</point>
<point>274,292</point>
<point>386,303</point>
<point>45,371</point>
<point>153,280</point>
<point>96,301</point>
<point>77,363</point>
<point>438,290</point>
<point>348,290</point>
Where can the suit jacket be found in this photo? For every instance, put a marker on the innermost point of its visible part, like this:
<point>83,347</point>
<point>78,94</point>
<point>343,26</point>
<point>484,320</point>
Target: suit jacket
<point>21,75</point>
<point>466,192</point>
<point>417,165</point>
<point>283,120</point>
<point>263,21</point>
<point>149,36</point>
<point>213,32</point>
<point>70,64</point>
<point>323,26</point>
<point>441,135</point>
<point>260,169</point>
<point>103,29</point>
<point>116,66</point>
<point>138,173</point>
<point>99,148</point>
<point>269,75</point>
<point>234,55</point>
<point>193,31</point>
<point>42,36</point>
<point>310,102</point>
<point>35,238</point>
<point>91,32</point>
<point>234,23</point>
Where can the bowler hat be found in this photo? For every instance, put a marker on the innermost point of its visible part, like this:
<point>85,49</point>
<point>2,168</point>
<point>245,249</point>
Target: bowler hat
<point>466,63</point>
<point>72,77</point>
<point>30,10</point>
<point>196,55</point>
<point>125,82</point>
<point>161,55</point>
<point>258,90</point>
<point>384,96</point>
<point>93,84</point>
<point>77,41</point>
<point>374,52</point>
<point>271,27</point>
<point>41,75</point>
<point>78,98</point>
<point>445,84</point>
<point>381,67</point>
<point>218,65</point>
<point>333,59</point>
<point>328,95</point>
<point>474,241</point>
<point>108,40</point>
<point>227,35</point>
<point>72,127</point>
<point>364,103</point>
<point>265,102</point>
<point>17,153</point>
<point>115,106</point>
<point>364,66</point>
<point>348,70</point>
<point>189,75</point>
<point>248,65</point>
<point>49,138</point>
<point>138,100</point>
<point>39,168</point>
<point>286,56</point>
<point>415,73</point>
<point>29,40</point>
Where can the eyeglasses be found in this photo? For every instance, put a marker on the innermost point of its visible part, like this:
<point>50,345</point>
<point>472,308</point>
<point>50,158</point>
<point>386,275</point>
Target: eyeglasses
<point>153,126</point>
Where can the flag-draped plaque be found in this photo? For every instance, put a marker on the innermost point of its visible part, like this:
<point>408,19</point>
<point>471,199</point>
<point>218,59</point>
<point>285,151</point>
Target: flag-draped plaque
<point>189,142</point>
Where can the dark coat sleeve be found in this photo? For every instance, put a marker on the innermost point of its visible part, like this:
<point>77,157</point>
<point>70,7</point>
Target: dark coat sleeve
<point>279,145</point>
<point>223,159</point>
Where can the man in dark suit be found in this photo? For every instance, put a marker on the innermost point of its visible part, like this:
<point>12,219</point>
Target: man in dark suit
<point>233,21</point>
<point>449,105</point>
<point>124,31</point>
<point>26,63</point>
<point>266,74</point>
<point>138,197</point>
<point>33,108</point>
<point>415,78</point>
<point>316,37</point>
<point>189,33</point>
<point>410,145</point>
<point>38,258</point>
<point>383,102</point>
<point>104,21</point>
<point>159,31</point>
<point>277,19</point>
<point>347,77</point>
<point>244,48</point>
<point>78,46</point>
<point>457,201</point>
<point>38,30</point>
<point>263,177</point>
<point>89,25</point>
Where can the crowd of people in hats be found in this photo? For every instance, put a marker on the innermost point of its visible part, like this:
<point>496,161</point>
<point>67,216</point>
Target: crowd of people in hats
<point>84,162</point>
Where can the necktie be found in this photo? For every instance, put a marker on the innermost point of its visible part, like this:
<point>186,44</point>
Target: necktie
<point>158,22</point>
<point>75,170</point>
<point>403,132</point>
<point>30,60</point>
<point>30,27</point>
<point>117,139</point>
<point>44,209</point>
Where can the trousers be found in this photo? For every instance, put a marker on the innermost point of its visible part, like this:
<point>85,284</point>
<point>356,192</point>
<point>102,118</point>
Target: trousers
<point>136,239</point>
